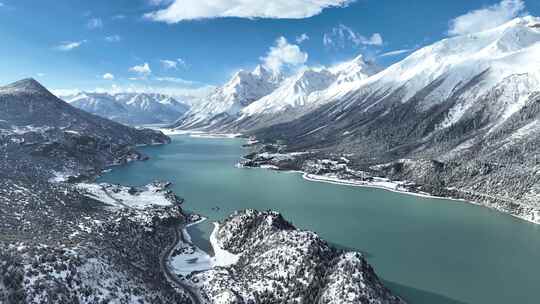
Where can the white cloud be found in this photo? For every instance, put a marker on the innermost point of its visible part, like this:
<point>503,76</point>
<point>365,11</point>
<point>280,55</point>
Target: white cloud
<point>486,18</point>
<point>108,76</point>
<point>113,38</point>
<point>182,62</point>
<point>180,10</point>
<point>143,69</point>
<point>302,38</point>
<point>41,74</point>
<point>169,64</point>
<point>173,64</point>
<point>176,80</point>
<point>70,45</point>
<point>341,36</point>
<point>284,54</point>
<point>94,23</point>
<point>395,53</point>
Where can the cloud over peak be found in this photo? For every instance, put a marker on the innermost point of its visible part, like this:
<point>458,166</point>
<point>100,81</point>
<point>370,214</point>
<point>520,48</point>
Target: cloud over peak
<point>284,54</point>
<point>180,10</point>
<point>486,18</point>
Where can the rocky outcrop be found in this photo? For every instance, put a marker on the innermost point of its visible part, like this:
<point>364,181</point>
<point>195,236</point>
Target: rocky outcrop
<point>279,264</point>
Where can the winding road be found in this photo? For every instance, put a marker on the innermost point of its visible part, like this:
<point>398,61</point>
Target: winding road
<point>165,257</point>
<point>173,278</point>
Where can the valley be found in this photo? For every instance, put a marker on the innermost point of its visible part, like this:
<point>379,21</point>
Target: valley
<point>269,152</point>
<point>410,240</point>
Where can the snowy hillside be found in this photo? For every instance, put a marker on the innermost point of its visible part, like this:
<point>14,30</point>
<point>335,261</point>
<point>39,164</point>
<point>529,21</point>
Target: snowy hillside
<point>130,108</point>
<point>468,104</point>
<point>243,89</point>
<point>294,96</point>
<point>279,264</point>
<point>302,93</point>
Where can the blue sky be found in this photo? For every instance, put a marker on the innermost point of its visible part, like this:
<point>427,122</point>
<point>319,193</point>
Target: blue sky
<point>80,44</point>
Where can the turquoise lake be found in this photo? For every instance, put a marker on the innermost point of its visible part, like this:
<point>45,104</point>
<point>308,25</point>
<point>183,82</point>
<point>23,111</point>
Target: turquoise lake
<point>426,250</point>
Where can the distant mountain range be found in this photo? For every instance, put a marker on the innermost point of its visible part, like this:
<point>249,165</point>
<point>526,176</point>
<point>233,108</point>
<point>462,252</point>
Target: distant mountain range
<point>130,108</point>
<point>261,98</point>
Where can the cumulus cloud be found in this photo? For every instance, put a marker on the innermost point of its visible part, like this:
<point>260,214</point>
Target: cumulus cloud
<point>486,18</point>
<point>284,54</point>
<point>143,70</point>
<point>94,23</point>
<point>180,10</point>
<point>70,45</point>
<point>302,38</point>
<point>113,38</point>
<point>108,76</point>
<point>342,36</point>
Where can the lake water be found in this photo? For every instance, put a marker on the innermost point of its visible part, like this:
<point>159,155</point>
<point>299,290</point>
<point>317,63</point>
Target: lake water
<point>426,250</point>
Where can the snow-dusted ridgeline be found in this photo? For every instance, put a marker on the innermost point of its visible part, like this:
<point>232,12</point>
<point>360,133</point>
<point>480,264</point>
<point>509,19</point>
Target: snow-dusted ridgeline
<point>130,108</point>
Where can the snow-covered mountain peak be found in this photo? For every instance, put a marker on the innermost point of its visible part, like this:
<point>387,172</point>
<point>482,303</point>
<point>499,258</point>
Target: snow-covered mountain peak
<point>293,92</point>
<point>506,50</point>
<point>130,108</point>
<point>261,72</point>
<point>27,86</point>
<point>354,70</point>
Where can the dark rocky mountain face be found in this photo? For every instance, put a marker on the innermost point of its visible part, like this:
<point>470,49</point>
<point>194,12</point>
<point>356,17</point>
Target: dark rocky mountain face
<point>36,124</point>
<point>57,245</point>
<point>459,118</point>
<point>488,154</point>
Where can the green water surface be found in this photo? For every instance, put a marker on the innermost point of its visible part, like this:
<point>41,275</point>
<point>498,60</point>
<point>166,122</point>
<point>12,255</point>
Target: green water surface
<point>426,250</point>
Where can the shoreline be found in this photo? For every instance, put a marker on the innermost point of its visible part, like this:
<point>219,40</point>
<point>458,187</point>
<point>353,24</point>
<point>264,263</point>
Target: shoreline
<point>342,182</point>
<point>336,181</point>
<point>198,134</point>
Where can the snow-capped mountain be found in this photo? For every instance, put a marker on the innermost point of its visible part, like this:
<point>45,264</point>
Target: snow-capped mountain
<point>244,88</point>
<point>470,102</point>
<point>130,108</point>
<point>301,94</point>
<point>292,98</point>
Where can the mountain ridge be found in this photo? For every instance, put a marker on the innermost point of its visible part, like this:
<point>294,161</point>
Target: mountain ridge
<point>474,117</point>
<point>130,108</point>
